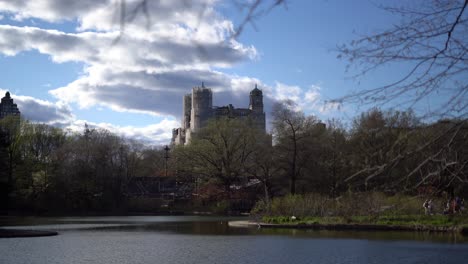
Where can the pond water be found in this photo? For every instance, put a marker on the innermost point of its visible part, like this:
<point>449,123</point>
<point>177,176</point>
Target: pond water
<point>194,239</point>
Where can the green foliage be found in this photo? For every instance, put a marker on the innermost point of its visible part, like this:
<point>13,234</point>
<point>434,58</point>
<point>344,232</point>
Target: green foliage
<point>402,220</point>
<point>294,205</point>
<point>364,207</point>
<point>386,164</point>
<point>371,208</point>
<point>295,136</point>
<point>221,207</point>
<point>222,150</point>
<point>261,207</point>
<point>50,170</point>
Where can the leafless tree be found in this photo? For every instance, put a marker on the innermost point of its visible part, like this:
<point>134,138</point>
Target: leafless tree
<point>432,39</point>
<point>292,130</point>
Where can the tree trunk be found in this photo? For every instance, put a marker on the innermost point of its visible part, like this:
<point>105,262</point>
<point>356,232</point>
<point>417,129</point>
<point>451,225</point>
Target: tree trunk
<point>293,165</point>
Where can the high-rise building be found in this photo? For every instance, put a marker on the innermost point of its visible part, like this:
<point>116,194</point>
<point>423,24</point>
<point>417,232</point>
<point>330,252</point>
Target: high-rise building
<point>7,107</point>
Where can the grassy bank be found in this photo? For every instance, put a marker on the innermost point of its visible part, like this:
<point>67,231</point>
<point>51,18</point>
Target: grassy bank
<point>400,220</point>
<point>358,209</point>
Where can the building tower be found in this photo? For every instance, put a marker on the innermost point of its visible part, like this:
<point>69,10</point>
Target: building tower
<point>256,100</point>
<point>7,107</point>
<point>202,107</point>
<point>256,106</point>
<point>187,108</point>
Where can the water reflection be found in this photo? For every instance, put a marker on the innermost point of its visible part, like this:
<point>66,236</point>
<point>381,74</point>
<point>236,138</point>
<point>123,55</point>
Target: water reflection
<point>182,239</point>
<point>215,226</point>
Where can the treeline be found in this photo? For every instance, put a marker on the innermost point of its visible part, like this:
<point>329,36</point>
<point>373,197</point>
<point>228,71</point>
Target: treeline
<point>45,169</point>
<point>384,151</point>
<point>229,166</point>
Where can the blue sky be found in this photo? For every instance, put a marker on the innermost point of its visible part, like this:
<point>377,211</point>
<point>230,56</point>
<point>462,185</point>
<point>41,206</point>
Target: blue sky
<point>58,61</point>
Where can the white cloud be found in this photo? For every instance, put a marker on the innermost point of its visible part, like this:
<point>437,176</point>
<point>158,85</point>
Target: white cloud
<point>50,10</point>
<point>283,92</point>
<point>244,84</point>
<point>155,134</point>
<point>58,114</point>
<point>138,91</point>
<point>42,111</point>
<point>309,100</point>
<point>59,45</point>
<point>148,69</point>
<point>152,65</point>
<point>130,53</point>
<point>314,99</point>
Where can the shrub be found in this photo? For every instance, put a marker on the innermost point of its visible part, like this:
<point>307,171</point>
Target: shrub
<point>372,204</point>
<point>293,205</point>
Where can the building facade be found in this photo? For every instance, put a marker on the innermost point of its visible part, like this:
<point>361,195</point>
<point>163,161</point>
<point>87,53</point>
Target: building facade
<point>7,107</point>
<point>198,109</point>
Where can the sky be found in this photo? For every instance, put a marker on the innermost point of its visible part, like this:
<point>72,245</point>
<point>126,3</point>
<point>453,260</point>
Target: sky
<point>67,62</point>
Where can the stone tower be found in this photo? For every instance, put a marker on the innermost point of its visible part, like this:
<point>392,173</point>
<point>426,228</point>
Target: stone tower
<point>256,100</point>
<point>187,108</point>
<point>198,109</point>
<point>256,106</point>
<point>7,107</point>
<point>202,107</point>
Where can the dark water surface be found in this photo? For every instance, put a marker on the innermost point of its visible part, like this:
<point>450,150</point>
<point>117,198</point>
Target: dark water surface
<point>193,239</point>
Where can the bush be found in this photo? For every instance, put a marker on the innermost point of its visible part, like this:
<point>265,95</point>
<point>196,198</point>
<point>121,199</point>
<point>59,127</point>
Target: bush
<point>221,207</point>
<point>368,203</point>
<point>260,208</point>
<point>293,205</point>
<point>372,204</point>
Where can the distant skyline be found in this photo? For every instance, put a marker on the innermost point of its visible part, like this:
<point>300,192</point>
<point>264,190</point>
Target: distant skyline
<point>60,61</point>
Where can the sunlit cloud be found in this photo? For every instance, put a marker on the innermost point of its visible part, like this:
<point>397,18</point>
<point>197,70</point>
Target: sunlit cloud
<point>144,67</point>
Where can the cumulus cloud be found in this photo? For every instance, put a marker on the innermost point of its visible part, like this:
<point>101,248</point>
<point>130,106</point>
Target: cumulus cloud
<point>59,45</point>
<point>42,111</point>
<point>309,100</point>
<point>97,48</point>
<point>155,134</point>
<point>314,101</point>
<point>146,68</point>
<point>140,91</point>
<point>58,114</point>
<point>283,92</point>
<point>50,10</point>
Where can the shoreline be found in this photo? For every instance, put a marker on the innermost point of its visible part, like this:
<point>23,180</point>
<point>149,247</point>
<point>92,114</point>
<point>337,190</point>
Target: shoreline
<point>356,227</point>
<point>12,233</point>
<point>130,213</point>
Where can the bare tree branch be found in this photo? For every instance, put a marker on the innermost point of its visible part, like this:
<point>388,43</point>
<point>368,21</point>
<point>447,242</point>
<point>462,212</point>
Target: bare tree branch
<point>433,40</point>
